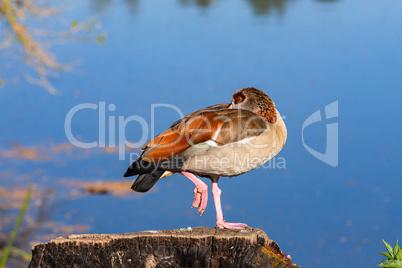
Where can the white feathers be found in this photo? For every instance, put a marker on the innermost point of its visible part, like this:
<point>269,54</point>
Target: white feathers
<point>243,141</point>
<point>246,140</point>
<point>212,143</point>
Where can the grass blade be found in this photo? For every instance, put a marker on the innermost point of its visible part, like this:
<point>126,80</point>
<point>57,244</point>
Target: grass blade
<point>22,253</point>
<point>16,227</point>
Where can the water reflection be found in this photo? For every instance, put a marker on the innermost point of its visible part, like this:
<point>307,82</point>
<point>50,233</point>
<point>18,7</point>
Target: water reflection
<point>260,7</point>
<point>201,3</point>
<point>326,1</point>
<point>264,7</point>
<point>132,5</point>
<point>99,6</point>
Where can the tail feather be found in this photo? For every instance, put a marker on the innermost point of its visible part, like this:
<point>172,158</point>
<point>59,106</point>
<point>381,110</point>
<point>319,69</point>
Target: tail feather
<point>146,181</point>
<point>150,172</point>
<point>141,166</point>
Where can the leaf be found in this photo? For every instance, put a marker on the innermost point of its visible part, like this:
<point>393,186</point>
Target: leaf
<point>101,39</point>
<point>21,39</point>
<point>399,255</point>
<point>74,23</point>
<point>391,264</point>
<point>396,248</point>
<point>386,254</point>
<point>388,246</point>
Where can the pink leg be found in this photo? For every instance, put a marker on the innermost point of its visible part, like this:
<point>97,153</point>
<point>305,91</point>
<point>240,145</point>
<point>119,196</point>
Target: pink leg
<point>200,192</point>
<point>220,221</point>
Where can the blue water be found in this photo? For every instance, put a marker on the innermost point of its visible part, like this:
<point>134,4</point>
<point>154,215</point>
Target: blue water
<point>305,54</point>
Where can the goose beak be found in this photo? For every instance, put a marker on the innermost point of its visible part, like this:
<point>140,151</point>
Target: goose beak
<point>230,106</point>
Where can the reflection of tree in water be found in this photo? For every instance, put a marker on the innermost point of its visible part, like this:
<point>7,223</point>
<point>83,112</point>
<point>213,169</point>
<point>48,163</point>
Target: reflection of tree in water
<point>261,7</point>
<point>132,5</point>
<point>202,3</point>
<point>264,7</point>
<point>100,5</point>
<point>326,1</point>
<point>104,5</point>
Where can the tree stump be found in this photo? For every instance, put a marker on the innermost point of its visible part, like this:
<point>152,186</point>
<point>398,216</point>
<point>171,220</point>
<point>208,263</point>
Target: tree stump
<point>197,247</point>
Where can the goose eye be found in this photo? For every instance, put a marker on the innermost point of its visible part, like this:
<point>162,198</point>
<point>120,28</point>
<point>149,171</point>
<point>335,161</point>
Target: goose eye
<point>239,98</point>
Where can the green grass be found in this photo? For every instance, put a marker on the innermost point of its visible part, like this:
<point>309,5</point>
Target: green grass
<point>17,224</point>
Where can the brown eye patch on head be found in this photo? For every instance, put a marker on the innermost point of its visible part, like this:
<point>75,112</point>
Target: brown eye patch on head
<point>238,98</point>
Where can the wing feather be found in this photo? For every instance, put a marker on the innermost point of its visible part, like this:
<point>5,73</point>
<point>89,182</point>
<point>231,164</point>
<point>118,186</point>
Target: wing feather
<point>215,123</point>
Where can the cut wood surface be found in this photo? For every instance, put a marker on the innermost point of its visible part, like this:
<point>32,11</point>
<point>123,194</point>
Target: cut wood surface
<point>196,247</point>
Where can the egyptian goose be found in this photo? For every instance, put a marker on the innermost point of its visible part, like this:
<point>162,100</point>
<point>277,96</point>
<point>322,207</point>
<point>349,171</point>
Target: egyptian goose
<point>222,140</point>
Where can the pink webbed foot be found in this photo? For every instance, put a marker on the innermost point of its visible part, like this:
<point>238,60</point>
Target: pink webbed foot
<point>200,199</point>
<point>200,192</point>
<point>220,221</point>
<point>221,224</point>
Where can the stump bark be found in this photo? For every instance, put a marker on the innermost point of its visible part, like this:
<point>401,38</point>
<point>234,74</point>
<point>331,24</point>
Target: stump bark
<point>198,247</point>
